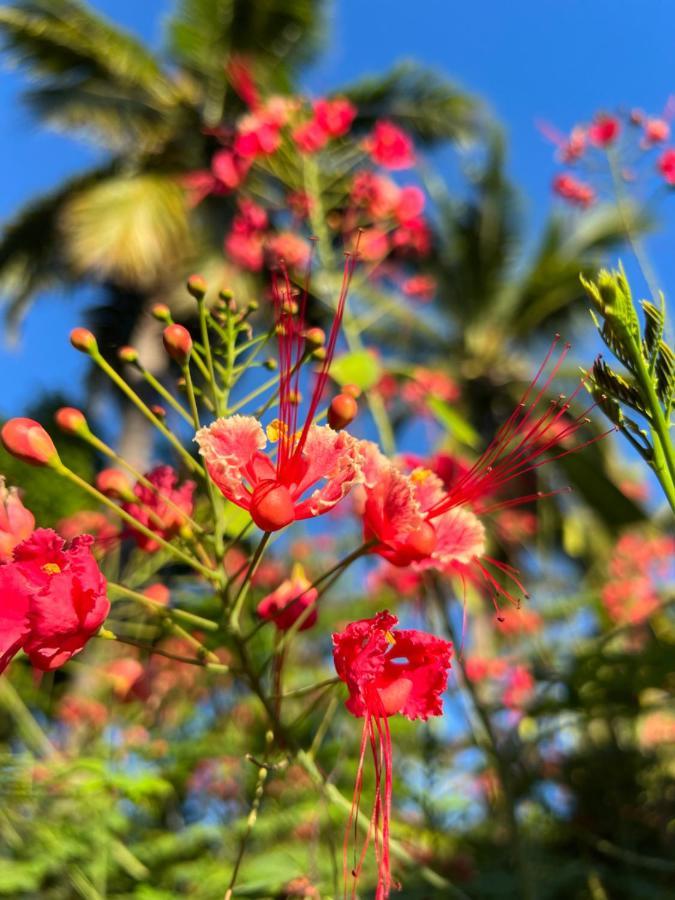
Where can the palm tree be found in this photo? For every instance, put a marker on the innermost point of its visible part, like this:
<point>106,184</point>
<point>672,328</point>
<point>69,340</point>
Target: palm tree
<point>125,224</point>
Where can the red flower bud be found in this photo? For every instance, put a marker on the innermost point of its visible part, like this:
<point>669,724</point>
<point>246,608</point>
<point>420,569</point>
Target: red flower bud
<point>82,339</point>
<point>127,354</point>
<point>353,390</point>
<point>197,286</point>
<point>27,440</point>
<point>158,411</point>
<point>71,420</point>
<point>177,343</point>
<point>342,410</point>
<point>114,483</point>
<point>161,312</point>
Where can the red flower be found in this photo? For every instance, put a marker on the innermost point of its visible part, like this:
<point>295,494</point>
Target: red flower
<point>389,146</point>
<point>52,599</point>
<point>386,672</point>
<point>604,130</point>
<point>280,492</point>
<point>420,287</point>
<point>335,116</point>
<point>289,249</point>
<point>656,131</point>
<point>89,521</point>
<point>16,522</point>
<point>162,510</point>
<point>574,191</point>
<point>310,137</point>
<point>418,520</point>
<point>666,166</point>
<point>287,603</point>
<point>258,134</point>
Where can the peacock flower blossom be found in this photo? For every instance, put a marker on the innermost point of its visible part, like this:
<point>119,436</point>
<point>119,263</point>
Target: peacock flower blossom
<point>334,116</point>
<point>315,466</point>
<point>377,194</point>
<point>573,190</point>
<point>604,130</point>
<point>420,287</point>
<point>413,238</point>
<point>419,520</point>
<point>666,166</point>
<point>258,134</point>
<point>151,509</point>
<point>287,248</point>
<point>16,522</point>
<point>656,131</point>
<point>409,205</point>
<point>52,599</point>
<point>389,146</point>
<point>92,522</point>
<point>288,602</point>
<point>387,673</point>
<point>310,137</point>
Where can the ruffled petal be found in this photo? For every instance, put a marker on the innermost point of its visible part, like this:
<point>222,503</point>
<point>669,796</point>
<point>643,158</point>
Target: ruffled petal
<point>460,538</point>
<point>331,455</point>
<point>13,613</point>
<point>425,663</point>
<point>230,448</point>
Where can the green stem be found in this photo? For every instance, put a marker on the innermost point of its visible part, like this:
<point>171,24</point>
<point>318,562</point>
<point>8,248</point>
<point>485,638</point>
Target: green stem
<point>159,609</point>
<point>220,668</point>
<point>146,412</point>
<point>134,523</point>
<point>664,453</point>
<point>164,393</point>
<point>243,589</point>
<point>209,358</point>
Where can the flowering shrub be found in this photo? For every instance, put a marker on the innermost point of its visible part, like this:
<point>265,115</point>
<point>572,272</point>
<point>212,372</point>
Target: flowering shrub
<point>282,659</point>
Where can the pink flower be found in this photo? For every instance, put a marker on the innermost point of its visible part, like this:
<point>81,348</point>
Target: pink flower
<point>52,599</point>
<point>288,602</point>
<point>246,249</point>
<point>16,522</point>
<point>280,492</point>
<point>429,383</point>
<point>229,169</point>
<point>89,521</point>
<point>574,191</point>
<point>373,244</point>
<point>656,131</point>
<point>519,688</point>
<point>258,134</point>
<point>604,130</point>
<point>389,146</point>
<point>571,148</point>
<point>334,116</point>
<point>310,137</point>
<point>409,205</point>
<point>413,238</point>
<point>162,510</point>
<point>420,287</point>
<point>666,166</point>
<point>376,193</point>
<point>288,248</point>
<point>387,673</point>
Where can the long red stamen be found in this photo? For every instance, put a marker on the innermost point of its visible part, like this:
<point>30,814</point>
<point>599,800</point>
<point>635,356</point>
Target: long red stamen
<point>522,443</point>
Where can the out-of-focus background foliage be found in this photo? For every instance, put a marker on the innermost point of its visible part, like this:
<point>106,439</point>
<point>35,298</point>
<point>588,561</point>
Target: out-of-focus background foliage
<point>551,775</point>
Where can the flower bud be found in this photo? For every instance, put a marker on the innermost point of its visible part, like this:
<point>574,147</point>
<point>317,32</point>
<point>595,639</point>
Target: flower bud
<point>226,294</point>
<point>127,354</point>
<point>315,338</point>
<point>158,411</point>
<point>177,343</point>
<point>28,441</point>
<point>353,390</point>
<point>342,410</point>
<point>197,286</point>
<point>252,306</point>
<point>71,420</point>
<point>161,312</point>
<point>83,340</point>
<point>271,364</point>
<point>114,483</point>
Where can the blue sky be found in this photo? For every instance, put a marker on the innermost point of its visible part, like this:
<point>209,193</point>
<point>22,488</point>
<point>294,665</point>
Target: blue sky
<point>528,59</point>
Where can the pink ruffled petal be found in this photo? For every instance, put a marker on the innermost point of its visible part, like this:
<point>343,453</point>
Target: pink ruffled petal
<point>13,613</point>
<point>331,455</point>
<point>231,451</point>
<point>460,538</point>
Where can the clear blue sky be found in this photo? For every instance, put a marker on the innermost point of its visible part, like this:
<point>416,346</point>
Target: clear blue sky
<point>529,59</point>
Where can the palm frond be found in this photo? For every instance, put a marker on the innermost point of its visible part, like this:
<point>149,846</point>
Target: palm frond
<point>129,229</point>
<point>550,286</point>
<point>275,34</point>
<point>64,41</point>
<point>31,257</point>
<point>418,99</point>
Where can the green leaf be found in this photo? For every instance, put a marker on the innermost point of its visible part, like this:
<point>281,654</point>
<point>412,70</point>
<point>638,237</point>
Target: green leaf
<point>361,368</point>
<point>454,422</point>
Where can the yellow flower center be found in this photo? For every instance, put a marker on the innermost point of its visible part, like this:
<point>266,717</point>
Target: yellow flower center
<point>51,568</point>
